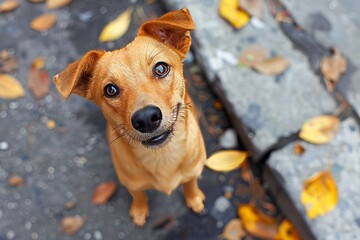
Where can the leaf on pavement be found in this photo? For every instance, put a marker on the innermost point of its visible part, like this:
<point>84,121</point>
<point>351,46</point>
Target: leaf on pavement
<point>298,149</point>
<point>333,66</point>
<point>15,181</point>
<point>116,28</point>
<point>252,56</point>
<point>252,7</point>
<point>319,195</point>
<point>272,66</point>
<point>43,22</point>
<point>71,225</point>
<point>38,81</point>
<point>8,63</point>
<point>10,88</point>
<point>54,4</point>
<point>257,223</point>
<point>287,231</point>
<point>233,230</point>
<point>9,6</point>
<point>103,192</point>
<point>320,129</point>
<point>226,160</point>
<point>231,11</point>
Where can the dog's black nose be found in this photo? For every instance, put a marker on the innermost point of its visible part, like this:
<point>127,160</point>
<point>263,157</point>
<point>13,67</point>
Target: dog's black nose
<point>147,120</point>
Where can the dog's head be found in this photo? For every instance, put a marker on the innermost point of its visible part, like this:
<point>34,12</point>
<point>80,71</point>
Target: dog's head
<point>139,88</point>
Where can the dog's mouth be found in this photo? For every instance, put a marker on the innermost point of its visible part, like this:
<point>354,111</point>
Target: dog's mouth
<point>157,140</point>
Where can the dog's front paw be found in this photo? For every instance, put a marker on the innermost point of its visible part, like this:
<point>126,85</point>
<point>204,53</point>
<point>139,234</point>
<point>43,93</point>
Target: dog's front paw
<point>196,202</point>
<point>139,214</point>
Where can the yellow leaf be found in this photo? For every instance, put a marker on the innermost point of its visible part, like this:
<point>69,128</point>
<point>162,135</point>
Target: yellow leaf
<point>287,231</point>
<point>226,160</point>
<point>10,88</point>
<point>233,230</point>
<point>319,194</point>
<point>116,28</point>
<point>9,5</point>
<point>50,124</point>
<point>231,11</point>
<point>320,129</point>
<point>43,22</point>
<point>54,4</point>
<point>257,223</point>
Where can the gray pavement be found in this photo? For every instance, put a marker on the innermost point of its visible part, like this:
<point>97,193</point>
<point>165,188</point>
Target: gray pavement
<point>268,111</point>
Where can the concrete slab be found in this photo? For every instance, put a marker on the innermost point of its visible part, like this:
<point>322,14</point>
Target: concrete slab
<point>334,24</point>
<point>268,107</point>
<point>343,153</point>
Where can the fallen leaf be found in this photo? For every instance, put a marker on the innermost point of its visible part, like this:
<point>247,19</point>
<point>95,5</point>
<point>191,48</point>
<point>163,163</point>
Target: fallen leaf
<point>233,230</point>
<point>218,105</point>
<point>70,204</point>
<point>257,223</point>
<point>287,231</point>
<point>230,10</point>
<point>54,4</point>
<point>15,181</point>
<point>252,56</point>
<point>298,149</point>
<point>71,225</point>
<point>319,195</point>
<point>38,81</point>
<point>333,66</point>
<point>43,22</point>
<point>103,192</point>
<point>226,160</point>
<point>116,28</point>
<point>320,129</point>
<point>8,65</point>
<point>10,88</point>
<point>50,124</point>
<point>252,7</point>
<point>9,6</point>
<point>272,66</point>
<point>4,54</point>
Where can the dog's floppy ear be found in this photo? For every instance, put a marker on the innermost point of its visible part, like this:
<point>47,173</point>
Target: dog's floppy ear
<point>76,77</point>
<point>172,29</point>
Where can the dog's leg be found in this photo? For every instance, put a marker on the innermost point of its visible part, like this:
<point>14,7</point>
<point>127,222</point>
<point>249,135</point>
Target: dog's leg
<point>193,196</point>
<point>139,210</point>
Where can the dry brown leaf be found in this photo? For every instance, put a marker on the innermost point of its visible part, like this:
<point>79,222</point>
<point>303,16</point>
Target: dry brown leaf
<point>233,230</point>
<point>116,28</point>
<point>43,22</point>
<point>9,6</point>
<point>10,88</point>
<point>272,66</point>
<point>319,195</point>
<point>50,124</point>
<point>15,181</point>
<point>226,160</point>
<point>257,223</point>
<point>287,231</point>
<point>38,81</point>
<point>252,56</point>
<point>8,65</point>
<point>54,4</point>
<point>71,225</point>
<point>103,192</point>
<point>298,149</point>
<point>230,10</point>
<point>252,7</point>
<point>70,204</point>
<point>320,129</point>
<point>333,66</point>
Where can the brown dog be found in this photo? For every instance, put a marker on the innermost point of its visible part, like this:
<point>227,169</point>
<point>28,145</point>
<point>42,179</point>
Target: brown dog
<point>154,136</point>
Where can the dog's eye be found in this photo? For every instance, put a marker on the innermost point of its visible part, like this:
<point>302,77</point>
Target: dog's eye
<point>161,69</point>
<point>111,90</point>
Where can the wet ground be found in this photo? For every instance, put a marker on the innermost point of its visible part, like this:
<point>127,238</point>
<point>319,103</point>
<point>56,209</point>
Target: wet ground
<point>67,162</point>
